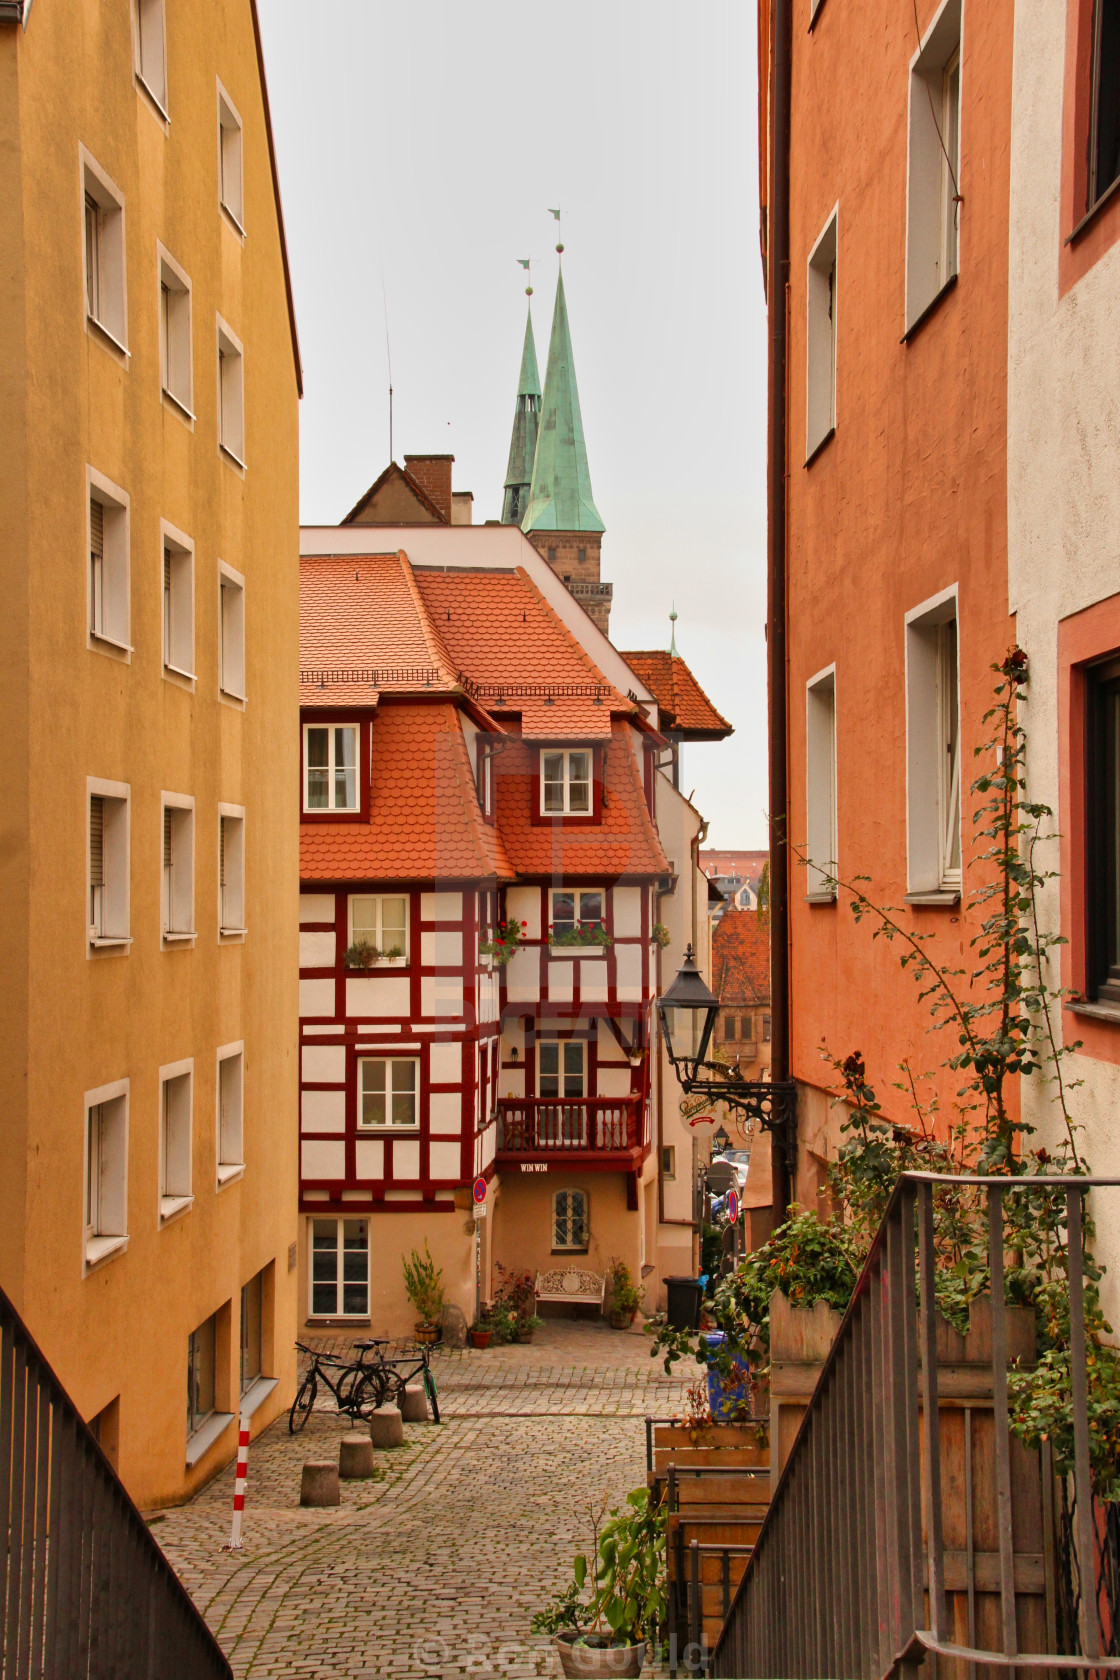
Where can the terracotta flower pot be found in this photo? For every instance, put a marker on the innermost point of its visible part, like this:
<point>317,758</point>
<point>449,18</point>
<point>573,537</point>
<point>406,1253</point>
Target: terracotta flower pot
<point>597,1662</point>
<point>481,1338</point>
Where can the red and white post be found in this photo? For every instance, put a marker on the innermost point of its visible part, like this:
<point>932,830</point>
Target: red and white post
<point>240,1483</point>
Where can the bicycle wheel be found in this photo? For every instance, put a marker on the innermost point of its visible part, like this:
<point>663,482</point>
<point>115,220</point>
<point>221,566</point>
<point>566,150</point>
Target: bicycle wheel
<point>366,1395</point>
<point>302,1404</point>
<point>394,1387</point>
<point>430,1386</point>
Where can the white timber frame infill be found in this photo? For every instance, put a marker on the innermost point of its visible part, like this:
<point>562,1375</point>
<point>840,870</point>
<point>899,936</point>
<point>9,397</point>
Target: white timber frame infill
<point>105,1174</point>
<point>820,785</point>
<point>933,756</point>
<point>933,163</point>
<point>820,336</point>
<point>108,592</point>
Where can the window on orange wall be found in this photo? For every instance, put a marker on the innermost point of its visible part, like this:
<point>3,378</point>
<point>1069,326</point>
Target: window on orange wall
<point>1104,130</point>
<point>1102,812</point>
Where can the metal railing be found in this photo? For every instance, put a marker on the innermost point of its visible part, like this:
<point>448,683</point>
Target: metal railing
<point>85,1592</point>
<point>848,1576</point>
<point>550,1126</point>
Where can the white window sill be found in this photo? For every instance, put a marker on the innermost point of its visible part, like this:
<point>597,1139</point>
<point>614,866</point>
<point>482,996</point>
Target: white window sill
<point>224,449</point>
<point>231,218</point>
<point>102,640</point>
<point>947,896</point>
<point>820,898</point>
<point>206,1434</point>
<point>331,810</point>
<point>171,1206</point>
<point>389,1131</point>
<point>100,1249</point>
<point>171,936</point>
<point>1095,1011</point>
<point>178,405</point>
<point>174,671</point>
<point>256,1394</point>
<point>103,331</point>
<point>232,694</point>
<point>153,96</point>
<point>354,1320</point>
<point>229,1173</point>
<point>232,933</point>
<point>108,941</point>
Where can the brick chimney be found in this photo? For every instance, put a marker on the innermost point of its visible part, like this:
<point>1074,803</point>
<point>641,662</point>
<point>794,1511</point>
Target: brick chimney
<point>433,474</point>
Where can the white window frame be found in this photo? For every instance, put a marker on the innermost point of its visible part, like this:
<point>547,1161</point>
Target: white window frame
<point>177,878</point>
<point>567,754</point>
<point>105,1216</point>
<point>176,1138</point>
<point>331,769</point>
<point>378,899</point>
<point>176,344</point>
<point>579,894</point>
<point>563,1073</point>
<point>231,873</point>
<point>231,162</point>
<point>114,912</point>
<point>820,785</point>
<point>571,1248</point>
<point>932,216</point>
<point>149,37</point>
<point>389,1127</point>
<point>106,296</point>
<point>231,394</point>
<point>340,1222</point>
<point>231,634</point>
<point>177,608</point>
<point>934,775</point>
<point>821,288</point>
<point>108,619</point>
<point>229,1126</point>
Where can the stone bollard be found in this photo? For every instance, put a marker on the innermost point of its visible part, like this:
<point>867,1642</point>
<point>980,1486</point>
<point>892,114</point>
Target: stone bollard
<point>319,1485</point>
<point>414,1404</point>
<point>355,1457</point>
<point>386,1428</point>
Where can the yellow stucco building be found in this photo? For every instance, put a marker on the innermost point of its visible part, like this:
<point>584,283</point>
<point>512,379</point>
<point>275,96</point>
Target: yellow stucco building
<point>149,384</point>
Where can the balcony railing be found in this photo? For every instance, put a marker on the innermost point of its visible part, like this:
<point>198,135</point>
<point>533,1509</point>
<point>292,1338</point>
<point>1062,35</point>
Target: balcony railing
<point>85,1592</point>
<point>876,1561</point>
<point>558,1126</point>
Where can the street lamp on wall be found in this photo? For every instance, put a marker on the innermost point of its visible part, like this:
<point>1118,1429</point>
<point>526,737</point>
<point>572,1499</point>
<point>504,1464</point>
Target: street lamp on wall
<point>688,1013</point>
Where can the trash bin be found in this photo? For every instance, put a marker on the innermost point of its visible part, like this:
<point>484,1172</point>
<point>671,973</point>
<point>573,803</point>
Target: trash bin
<point>685,1296</point>
<point>727,1397</point>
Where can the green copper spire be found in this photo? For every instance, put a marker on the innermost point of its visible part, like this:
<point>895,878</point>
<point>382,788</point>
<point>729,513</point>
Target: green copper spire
<point>560,495</point>
<point>523,444</point>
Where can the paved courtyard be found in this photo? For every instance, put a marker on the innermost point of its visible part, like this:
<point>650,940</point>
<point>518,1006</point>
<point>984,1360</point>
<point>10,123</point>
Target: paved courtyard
<point>436,1568</point>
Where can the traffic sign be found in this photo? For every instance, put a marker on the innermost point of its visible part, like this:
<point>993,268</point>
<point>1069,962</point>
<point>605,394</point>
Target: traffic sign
<point>479,1190</point>
<point>733,1207</point>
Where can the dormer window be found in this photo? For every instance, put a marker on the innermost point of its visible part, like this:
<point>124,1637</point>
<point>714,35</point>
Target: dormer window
<point>330,757</point>
<point>566,783</point>
<point>484,779</point>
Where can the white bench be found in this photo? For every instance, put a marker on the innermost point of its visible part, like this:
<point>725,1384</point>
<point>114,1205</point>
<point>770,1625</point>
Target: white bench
<point>571,1284</point>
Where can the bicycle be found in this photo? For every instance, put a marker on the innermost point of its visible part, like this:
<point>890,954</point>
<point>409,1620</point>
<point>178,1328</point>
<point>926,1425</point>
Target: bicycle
<point>358,1388</point>
<point>392,1379</point>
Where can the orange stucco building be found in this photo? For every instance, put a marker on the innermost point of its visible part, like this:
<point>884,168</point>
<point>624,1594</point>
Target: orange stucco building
<point>885,142</point>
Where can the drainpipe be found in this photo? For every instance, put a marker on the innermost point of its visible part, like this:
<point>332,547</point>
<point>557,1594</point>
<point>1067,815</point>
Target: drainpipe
<point>777,290</point>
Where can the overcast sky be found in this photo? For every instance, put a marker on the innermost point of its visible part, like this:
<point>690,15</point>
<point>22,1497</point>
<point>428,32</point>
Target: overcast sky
<point>420,148</point>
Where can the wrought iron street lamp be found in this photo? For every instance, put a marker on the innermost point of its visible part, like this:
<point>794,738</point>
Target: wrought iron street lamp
<point>688,1012</point>
<point>720,1141</point>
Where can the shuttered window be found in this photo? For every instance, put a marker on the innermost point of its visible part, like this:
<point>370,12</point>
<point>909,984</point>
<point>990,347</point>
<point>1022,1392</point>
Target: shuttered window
<point>96,861</point>
<point>96,567</point>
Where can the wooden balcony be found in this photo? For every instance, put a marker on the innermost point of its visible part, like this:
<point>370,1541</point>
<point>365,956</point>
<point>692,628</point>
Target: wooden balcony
<point>595,1131</point>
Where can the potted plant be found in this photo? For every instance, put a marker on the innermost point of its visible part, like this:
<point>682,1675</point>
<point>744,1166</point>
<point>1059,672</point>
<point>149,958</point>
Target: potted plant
<point>526,1326</point>
<point>481,1332</point>
<point>608,1633</point>
<point>423,1284</point>
<point>507,938</point>
<point>626,1295</point>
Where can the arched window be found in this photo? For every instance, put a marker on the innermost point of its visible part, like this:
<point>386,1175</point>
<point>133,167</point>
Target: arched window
<point>570,1224</point>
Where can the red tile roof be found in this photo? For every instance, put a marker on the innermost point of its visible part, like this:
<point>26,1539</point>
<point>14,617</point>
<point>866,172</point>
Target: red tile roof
<point>684,706</point>
<point>425,820</point>
<point>363,627</point>
<point>741,957</point>
<point>624,842</point>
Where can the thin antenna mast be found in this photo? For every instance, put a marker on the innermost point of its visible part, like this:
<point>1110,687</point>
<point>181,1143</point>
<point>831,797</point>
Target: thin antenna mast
<point>388,361</point>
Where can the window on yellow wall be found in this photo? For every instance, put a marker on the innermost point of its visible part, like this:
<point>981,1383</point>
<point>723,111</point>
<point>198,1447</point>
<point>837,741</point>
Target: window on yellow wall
<point>571,1226</point>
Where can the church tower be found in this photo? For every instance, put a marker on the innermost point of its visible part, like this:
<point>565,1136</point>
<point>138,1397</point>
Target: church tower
<point>559,515</point>
<point>523,444</point>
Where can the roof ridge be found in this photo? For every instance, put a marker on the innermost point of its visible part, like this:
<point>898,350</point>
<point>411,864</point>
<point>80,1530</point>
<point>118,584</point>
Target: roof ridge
<point>436,644</point>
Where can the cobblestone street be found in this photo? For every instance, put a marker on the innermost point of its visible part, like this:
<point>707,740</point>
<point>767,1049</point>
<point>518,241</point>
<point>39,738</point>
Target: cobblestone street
<point>436,1568</point>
